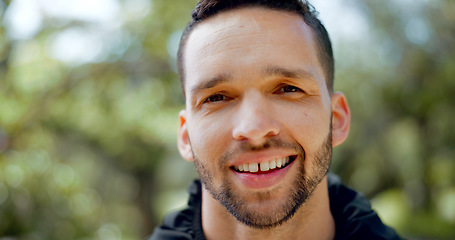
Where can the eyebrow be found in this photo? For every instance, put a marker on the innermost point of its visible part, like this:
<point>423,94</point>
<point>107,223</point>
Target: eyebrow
<point>212,82</point>
<point>267,71</point>
<point>288,73</point>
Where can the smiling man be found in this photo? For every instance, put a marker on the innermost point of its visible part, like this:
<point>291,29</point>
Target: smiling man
<point>260,122</point>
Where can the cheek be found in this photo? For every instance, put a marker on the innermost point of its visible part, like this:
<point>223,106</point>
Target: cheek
<point>207,137</point>
<point>311,131</point>
<point>308,125</point>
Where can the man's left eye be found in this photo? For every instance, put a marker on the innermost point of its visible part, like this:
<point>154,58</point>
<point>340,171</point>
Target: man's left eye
<point>289,89</point>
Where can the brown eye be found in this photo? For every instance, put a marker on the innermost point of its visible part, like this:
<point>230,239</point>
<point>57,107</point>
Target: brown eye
<point>216,98</point>
<point>289,89</point>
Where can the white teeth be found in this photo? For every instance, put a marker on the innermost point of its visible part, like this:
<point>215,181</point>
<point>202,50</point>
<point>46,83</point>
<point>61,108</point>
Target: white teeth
<point>278,162</point>
<point>272,164</point>
<point>240,167</point>
<point>253,167</point>
<point>246,167</point>
<point>264,166</point>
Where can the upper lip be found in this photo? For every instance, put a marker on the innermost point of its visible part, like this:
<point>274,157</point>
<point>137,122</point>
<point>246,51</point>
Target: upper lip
<point>261,156</point>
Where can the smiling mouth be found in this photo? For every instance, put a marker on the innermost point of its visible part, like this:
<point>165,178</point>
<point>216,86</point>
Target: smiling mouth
<point>265,166</point>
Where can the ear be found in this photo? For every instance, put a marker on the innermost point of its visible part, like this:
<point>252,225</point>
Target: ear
<point>341,120</point>
<point>183,141</point>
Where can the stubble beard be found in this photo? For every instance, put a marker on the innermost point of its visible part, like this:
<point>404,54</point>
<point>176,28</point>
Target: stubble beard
<point>301,188</point>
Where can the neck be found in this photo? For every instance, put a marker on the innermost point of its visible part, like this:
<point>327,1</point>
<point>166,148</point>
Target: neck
<point>313,220</point>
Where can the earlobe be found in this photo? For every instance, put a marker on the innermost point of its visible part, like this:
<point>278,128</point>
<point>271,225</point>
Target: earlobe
<point>341,120</point>
<point>183,141</point>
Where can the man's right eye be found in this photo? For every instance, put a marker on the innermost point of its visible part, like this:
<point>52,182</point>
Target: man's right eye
<point>216,98</point>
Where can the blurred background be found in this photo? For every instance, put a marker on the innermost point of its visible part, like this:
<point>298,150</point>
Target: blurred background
<point>89,97</point>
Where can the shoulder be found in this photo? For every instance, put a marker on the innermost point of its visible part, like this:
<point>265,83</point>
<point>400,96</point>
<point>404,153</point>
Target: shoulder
<point>184,224</point>
<point>353,215</point>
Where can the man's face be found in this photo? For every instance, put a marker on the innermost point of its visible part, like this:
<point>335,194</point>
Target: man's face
<point>257,122</point>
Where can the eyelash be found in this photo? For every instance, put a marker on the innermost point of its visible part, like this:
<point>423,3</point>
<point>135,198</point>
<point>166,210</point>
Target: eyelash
<point>221,97</point>
<point>295,89</point>
<point>211,100</point>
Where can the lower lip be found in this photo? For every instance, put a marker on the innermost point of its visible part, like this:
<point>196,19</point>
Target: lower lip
<point>262,180</point>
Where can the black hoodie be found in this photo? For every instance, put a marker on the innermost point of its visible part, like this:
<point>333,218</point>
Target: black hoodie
<point>354,218</point>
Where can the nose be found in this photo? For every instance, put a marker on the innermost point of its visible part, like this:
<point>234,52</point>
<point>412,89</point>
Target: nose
<point>255,121</point>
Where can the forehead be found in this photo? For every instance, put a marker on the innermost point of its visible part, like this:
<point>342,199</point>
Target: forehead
<point>246,38</point>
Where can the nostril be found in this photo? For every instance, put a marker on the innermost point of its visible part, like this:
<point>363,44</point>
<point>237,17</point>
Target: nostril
<point>239,136</point>
<point>255,132</point>
<point>272,133</point>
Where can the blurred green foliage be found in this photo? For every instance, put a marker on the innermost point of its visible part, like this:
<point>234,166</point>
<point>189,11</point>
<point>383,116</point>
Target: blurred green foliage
<point>87,147</point>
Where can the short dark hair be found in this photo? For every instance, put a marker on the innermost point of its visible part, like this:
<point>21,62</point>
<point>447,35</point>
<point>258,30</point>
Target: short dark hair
<point>208,8</point>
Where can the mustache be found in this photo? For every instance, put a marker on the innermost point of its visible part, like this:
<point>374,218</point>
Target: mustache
<point>243,147</point>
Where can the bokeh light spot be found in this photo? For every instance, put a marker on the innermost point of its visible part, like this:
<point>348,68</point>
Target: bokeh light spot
<point>14,175</point>
<point>63,175</point>
<point>109,232</point>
